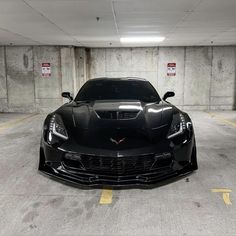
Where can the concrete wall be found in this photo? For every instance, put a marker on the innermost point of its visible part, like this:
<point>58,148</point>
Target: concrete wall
<point>138,62</point>
<point>205,76</point>
<point>22,86</point>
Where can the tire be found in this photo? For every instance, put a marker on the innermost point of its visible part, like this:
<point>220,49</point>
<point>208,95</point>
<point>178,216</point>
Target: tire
<point>194,165</point>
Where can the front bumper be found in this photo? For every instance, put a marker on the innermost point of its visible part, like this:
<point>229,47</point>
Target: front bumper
<point>52,163</point>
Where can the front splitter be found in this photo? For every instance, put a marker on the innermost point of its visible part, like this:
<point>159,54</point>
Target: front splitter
<point>147,180</point>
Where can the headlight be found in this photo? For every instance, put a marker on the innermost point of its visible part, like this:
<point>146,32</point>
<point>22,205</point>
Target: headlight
<point>57,127</point>
<point>178,126</point>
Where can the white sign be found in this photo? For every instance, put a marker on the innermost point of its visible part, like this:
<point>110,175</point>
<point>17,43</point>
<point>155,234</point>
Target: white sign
<point>46,69</point>
<point>171,69</point>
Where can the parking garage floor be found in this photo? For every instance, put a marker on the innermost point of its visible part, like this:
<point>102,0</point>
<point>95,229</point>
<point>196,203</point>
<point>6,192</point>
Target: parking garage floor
<point>202,203</point>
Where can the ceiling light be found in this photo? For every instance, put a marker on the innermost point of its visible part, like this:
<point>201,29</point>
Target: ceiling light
<point>142,39</point>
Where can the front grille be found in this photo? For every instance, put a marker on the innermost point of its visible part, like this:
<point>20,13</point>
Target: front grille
<point>117,115</point>
<point>119,165</point>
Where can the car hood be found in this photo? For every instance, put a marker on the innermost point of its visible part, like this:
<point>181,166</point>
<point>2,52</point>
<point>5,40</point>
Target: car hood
<point>95,123</point>
<point>122,114</point>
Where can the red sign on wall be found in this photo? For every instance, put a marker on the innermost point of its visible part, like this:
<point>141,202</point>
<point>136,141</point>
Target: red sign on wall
<point>46,69</point>
<point>171,69</point>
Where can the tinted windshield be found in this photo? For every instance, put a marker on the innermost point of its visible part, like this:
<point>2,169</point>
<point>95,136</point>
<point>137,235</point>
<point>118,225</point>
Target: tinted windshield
<point>117,90</point>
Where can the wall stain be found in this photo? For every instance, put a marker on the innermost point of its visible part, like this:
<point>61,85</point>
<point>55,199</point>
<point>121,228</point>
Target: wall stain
<point>207,55</point>
<point>219,65</point>
<point>24,77</point>
<point>26,61</point>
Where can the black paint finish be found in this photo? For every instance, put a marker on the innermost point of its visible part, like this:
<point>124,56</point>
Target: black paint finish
<point>118,142</point>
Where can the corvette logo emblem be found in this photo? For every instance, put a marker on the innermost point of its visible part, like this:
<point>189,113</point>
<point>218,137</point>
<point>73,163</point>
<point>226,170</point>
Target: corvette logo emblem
<point>117,142</point>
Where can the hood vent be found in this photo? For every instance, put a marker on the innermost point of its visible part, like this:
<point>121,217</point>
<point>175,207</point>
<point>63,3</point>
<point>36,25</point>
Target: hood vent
<point>117,115</point>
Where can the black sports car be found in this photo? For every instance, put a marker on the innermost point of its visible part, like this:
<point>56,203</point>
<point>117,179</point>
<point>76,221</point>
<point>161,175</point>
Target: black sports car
<point>116,132</point>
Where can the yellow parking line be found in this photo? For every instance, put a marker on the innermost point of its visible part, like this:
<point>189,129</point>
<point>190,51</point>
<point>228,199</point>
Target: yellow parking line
<point>106,196</point>
<point>225,194</point>
<point>226,199</point>
<point>221,190</point>
<point>222,119</point>
<point>13,122</point>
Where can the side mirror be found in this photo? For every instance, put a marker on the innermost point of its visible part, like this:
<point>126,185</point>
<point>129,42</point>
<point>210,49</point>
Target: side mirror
<point>67,95</point>
<point>168,95</point>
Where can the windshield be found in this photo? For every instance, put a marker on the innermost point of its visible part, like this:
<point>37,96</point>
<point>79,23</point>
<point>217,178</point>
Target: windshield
<point>118,90</point>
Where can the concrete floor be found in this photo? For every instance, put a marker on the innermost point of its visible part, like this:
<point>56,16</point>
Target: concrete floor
<point>32,204</point>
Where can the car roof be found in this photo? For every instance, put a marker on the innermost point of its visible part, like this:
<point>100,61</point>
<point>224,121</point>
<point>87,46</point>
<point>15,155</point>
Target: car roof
<point>118,79</point>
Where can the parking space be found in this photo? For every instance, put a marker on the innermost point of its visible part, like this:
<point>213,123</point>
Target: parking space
<point>200,203</point>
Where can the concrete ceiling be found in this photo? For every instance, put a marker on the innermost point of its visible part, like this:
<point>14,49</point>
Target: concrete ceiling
<point>74,22</point>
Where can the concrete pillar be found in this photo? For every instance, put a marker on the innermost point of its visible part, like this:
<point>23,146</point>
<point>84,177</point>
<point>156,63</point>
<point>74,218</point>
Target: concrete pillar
<point>68,70</point>
<point>197,78</point>
<point>20,79</point>
<point>223,78</point>
<point>81,68</point>
<point>3,81</point>
<point>97,63</point>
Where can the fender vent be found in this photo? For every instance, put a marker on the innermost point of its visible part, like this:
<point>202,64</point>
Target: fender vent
<point>117,115</point>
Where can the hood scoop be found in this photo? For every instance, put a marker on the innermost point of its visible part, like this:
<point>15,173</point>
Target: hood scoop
<point>117,110</point>
<point>117,115</point>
